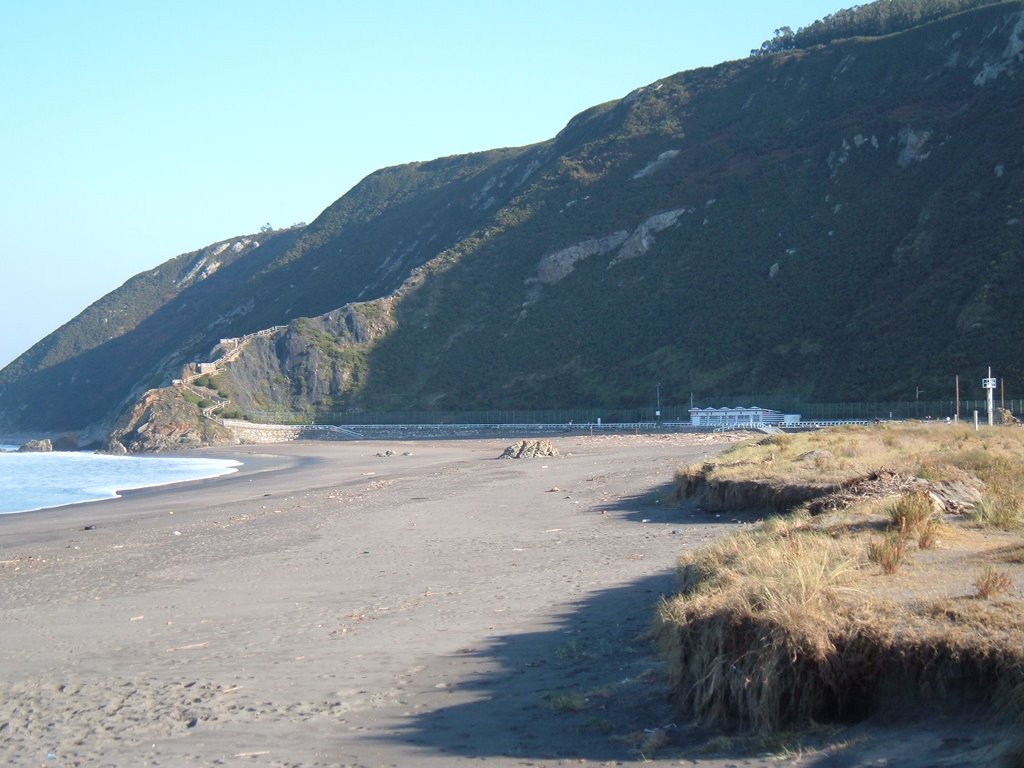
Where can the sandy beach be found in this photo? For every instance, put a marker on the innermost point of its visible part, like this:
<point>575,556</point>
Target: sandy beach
<point>331,605</point>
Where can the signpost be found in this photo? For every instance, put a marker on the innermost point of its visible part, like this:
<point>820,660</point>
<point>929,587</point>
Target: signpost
<point>989,385</point>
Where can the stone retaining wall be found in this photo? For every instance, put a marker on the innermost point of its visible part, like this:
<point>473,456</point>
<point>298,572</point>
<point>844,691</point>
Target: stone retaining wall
<point>249,435</point>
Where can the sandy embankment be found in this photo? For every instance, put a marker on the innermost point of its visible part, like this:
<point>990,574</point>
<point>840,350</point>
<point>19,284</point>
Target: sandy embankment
<point>340,608</point>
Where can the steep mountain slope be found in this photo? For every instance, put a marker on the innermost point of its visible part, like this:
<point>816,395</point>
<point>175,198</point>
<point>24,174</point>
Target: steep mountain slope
<point>141,335</point>
<point>838,222</point>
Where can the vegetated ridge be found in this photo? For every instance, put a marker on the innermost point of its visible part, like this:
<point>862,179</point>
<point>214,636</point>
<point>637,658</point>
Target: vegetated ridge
<point>838,222</point>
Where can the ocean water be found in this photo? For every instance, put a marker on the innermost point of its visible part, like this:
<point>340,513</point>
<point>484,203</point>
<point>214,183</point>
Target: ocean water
<point>30,481</point>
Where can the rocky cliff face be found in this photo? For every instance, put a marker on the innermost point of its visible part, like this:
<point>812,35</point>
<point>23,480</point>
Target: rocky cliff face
<point>315,365</point>
<point>164,420</point>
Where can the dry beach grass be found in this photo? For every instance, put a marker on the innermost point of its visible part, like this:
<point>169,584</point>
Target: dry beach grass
<point>903,599</point>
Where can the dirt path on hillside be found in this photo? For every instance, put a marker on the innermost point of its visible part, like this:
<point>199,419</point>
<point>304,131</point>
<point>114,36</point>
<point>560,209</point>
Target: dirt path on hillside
<point>330,606</point>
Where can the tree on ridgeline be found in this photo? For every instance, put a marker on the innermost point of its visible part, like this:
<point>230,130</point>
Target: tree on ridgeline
<point>882,17</point>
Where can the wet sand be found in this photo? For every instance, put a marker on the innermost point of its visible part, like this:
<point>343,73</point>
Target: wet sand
<point>327,606</point>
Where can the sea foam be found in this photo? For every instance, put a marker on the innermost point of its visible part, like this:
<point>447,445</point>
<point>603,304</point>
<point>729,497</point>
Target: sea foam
<point>30,481</point>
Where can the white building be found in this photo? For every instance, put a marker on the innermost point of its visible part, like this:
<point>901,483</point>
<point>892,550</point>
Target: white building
<point>740,416</point>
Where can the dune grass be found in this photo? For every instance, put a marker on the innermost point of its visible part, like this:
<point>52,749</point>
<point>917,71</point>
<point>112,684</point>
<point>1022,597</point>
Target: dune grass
<point>782,472</point>
<point>884,602</point>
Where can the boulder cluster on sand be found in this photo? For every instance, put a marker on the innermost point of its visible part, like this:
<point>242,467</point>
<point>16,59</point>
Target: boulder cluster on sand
<point>529,449</point>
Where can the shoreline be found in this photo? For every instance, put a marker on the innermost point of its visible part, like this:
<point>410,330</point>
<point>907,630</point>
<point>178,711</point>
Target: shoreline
<point>117,493</point>
<point>109,511</point>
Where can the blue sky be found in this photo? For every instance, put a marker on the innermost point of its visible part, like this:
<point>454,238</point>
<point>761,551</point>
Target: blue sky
<point>135,131</point>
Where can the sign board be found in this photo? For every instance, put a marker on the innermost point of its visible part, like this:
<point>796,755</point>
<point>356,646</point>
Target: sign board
<point>988,383</point>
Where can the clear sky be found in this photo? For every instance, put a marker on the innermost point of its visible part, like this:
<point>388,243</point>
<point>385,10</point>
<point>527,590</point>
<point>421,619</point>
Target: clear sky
<point>134,131</point>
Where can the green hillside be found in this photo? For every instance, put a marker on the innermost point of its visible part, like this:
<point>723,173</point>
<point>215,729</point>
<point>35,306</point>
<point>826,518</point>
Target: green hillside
<point>850,228</point>
<point>835,221</point>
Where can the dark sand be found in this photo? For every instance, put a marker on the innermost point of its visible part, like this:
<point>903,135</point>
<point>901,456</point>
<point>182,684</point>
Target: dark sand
<point>330,607</point>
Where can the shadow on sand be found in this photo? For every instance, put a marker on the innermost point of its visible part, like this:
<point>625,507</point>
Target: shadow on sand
<point>659,505</point>
<point>590,687</point>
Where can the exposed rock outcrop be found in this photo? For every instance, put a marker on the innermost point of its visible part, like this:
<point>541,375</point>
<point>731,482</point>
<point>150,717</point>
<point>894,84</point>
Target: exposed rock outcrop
<point>164,420</point>
<point>559,264</point>
<point>640,241</point>
<point>305,367</point>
